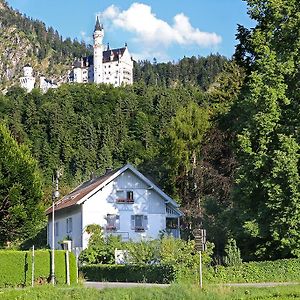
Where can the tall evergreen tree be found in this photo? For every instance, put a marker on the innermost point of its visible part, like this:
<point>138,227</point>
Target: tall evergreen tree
<point>267,198</point>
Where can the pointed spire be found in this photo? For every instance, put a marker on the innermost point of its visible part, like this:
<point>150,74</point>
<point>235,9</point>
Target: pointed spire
<point>98,26</point>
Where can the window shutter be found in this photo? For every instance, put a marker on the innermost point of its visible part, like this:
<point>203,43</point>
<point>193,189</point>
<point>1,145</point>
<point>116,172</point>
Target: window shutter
<point>117,222</point>
<point>132,222</point>
<point>145,222</point>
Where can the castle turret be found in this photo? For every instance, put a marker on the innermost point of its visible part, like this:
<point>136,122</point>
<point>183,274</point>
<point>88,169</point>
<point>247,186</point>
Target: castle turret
<point>98,52</point>
<point>27,81</point>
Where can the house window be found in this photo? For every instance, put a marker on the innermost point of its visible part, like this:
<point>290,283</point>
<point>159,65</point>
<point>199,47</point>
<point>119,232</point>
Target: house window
<point>130,196</point>
<point>69,225</point>
<point>125,198</point>
<point>56,229</point>
<point>139,223</point>
<point>112,222</point>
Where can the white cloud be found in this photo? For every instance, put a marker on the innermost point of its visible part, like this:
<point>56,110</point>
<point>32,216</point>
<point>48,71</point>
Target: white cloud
<point>154,32</point>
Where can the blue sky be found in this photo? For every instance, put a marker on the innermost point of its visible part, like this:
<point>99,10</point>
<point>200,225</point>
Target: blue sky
<point>164,29</point>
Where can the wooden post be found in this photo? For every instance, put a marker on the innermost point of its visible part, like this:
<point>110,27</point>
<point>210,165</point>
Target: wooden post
<point>32,267</point>
<point>200,269</point>
<point>68,267</point>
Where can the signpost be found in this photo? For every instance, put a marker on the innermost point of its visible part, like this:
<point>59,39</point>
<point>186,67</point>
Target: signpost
<point>200,246</point>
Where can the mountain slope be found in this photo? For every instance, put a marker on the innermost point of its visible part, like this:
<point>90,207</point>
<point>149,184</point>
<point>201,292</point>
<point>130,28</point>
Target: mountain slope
<point>26,41</point>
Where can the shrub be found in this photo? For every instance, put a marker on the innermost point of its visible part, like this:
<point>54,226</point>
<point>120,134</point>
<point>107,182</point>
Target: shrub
<point>100,250</point>
<point>233,254</point>
<point>16,267</point>
<point>277,271</point>
<point>128,273</point>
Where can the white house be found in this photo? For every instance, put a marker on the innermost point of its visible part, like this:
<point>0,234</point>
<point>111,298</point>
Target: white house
<point>123,202</point>
<point>111,66</point>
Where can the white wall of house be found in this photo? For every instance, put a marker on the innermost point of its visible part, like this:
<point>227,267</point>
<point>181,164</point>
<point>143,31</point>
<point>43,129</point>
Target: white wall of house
<point>147,202</point>
<point>60,220</point>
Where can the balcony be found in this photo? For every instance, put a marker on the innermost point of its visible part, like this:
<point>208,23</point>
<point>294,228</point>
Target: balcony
<point>124,200</point>
<point>139,229</point>
<point>110,228</point>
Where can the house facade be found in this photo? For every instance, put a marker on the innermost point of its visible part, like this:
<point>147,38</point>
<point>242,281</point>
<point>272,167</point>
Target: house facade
<point>123,202</point>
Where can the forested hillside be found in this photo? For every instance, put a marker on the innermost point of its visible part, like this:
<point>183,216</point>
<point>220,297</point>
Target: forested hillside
<point>195,71</point>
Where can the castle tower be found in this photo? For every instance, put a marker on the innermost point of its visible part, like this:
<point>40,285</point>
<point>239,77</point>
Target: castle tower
<point>98,52</point>
<point>27,81</point>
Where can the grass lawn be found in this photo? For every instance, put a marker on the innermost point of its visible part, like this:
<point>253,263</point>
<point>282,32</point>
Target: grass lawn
<point>174,292</point>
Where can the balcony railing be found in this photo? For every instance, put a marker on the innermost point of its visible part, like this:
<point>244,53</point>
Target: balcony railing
<point>124,200</point>
<point>139,229</point>
<point>110,227</point>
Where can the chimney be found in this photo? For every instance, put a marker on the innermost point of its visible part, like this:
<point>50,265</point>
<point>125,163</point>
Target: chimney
<point>108,170</point>
<point>92,176</point>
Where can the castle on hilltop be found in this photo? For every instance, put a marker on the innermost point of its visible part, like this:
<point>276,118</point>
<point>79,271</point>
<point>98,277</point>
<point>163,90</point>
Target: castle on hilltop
<point>111,66</point>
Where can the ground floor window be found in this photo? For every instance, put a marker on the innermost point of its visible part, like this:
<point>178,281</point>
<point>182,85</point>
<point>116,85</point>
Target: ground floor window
<point>139,222</point>
<point>112,222</point>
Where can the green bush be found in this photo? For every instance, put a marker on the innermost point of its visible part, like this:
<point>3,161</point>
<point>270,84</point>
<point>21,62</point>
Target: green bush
<point>266,271</point>
<point>16,267</point>
<point>128,273</point>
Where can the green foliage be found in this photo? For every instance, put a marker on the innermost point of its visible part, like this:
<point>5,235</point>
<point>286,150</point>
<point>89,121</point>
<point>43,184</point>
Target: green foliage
<point>183,138</point>
<point>128,273</point>
<point>16,267</point>
<point>100,250</point>
<point>189,71</point>
<point>284,270</point>
<point>232,254</point>
<point>21,210</point>
<point>267,197</point>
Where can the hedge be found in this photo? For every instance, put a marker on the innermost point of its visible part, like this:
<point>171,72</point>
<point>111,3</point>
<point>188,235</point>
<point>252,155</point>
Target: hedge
<point>283,270</point>
<point>128,273</point>
<point>16,267</point>
<point>266,271</point>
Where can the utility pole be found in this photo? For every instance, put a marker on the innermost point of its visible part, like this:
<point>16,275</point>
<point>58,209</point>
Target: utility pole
<point>200,246</point>
<point>55,196</point>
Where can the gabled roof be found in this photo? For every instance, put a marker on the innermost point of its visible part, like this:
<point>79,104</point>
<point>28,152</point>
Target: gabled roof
<point>113,54</point>
<point>108,56</point>
<point>87,189</point>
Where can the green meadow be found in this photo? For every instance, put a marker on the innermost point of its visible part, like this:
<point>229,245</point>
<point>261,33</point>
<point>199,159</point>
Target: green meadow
<point>174,292</point>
